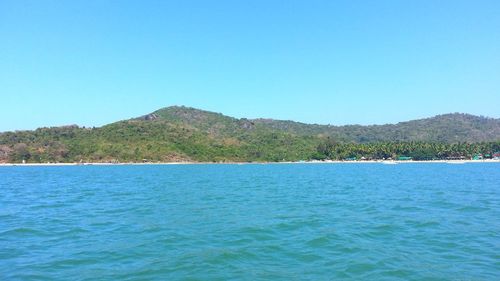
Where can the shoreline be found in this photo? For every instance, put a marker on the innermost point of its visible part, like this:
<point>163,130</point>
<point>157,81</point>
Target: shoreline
<point>250,163</point>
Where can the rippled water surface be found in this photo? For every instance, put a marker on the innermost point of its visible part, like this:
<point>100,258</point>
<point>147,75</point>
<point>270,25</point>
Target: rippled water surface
<point>251,222</point>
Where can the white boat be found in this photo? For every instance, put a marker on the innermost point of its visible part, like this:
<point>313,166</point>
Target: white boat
<point>389,162</point>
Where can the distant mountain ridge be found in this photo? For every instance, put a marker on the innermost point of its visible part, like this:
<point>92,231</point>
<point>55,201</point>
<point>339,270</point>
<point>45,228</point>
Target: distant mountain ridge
<point>449,128</point>
<point>179,133</point>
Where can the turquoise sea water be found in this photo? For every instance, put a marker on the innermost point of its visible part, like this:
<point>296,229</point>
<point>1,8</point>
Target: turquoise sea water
<point>251,222</point>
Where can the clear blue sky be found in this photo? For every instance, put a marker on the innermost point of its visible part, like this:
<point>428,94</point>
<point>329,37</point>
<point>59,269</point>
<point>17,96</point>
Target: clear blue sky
<point>329,62</point>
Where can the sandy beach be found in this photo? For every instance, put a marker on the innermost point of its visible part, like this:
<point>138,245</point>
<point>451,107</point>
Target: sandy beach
<point>252,163</point>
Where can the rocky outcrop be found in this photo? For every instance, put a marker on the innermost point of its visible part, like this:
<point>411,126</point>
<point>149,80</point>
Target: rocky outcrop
<point>150,117</point>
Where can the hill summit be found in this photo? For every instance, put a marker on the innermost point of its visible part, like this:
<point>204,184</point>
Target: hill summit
<point>447,128</point>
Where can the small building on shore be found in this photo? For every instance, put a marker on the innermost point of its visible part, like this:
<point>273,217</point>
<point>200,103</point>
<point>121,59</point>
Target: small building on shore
<point>404,158</point>
<point>478,157</point>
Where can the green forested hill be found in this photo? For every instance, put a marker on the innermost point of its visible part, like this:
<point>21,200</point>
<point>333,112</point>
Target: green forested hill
<point>188,134</point>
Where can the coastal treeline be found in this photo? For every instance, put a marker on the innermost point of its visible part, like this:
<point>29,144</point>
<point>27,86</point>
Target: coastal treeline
<point>331,149</point>
<point>110,144</point>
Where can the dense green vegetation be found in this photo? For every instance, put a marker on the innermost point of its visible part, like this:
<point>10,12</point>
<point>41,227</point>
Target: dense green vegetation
<point>187,134</point>
<point>330,149</point>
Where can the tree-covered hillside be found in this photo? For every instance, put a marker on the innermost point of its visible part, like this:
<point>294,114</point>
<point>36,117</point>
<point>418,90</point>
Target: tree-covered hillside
<point>188,134</point>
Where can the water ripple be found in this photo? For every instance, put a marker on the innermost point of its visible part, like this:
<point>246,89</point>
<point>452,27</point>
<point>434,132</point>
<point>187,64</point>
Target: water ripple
<point>250,222</point>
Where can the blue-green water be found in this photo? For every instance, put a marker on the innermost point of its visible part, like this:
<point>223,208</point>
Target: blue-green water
<point>251,222</point>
